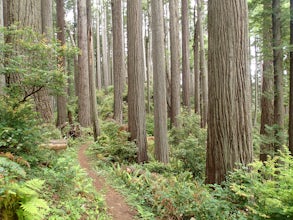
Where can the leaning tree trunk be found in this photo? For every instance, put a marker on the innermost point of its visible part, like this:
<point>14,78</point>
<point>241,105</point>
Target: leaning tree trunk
<point>118,59</point>
<point>136,105</point>
<point>175,61</point>
<point>84,114</point>
<point>229,130</point>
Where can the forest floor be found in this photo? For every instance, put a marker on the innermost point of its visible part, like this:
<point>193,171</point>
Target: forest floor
<point>116,204</point>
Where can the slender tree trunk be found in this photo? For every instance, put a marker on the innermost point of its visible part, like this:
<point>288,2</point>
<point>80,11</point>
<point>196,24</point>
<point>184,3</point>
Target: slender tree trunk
<point>61,100</point>
<point>278,74</point>
<point>185,54</point>
<point>160,103</point>
<point>203,68</point>
<point>83,73</point>
<point>175,61</point>
<point>267,106</point>
<point>98,52</point>
<point>118,59</point>
<point>92,79</point>
<point>256,85</point>
<point>196,67</point>
<point>291,82</point>
<point>106,80</point>
<point>229,130</point>
<point>2,77</point>
<point>136,105</point>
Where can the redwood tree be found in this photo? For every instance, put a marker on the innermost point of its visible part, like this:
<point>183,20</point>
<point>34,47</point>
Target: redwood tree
<point>136,105</point>
<point>229,130</point>
<point>291,81</point>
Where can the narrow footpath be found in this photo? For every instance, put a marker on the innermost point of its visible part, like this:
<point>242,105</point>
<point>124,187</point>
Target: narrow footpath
<point>117,207</point>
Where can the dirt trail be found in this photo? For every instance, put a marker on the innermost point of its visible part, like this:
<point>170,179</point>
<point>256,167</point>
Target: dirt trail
<point>116,204</point>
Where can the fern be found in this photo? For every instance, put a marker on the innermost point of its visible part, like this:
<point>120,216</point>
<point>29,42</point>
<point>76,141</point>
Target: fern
<point>11,169</point>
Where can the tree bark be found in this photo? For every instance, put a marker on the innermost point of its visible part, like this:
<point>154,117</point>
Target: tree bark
<point>160,102</point>
<point>278,74</point>
<point>291,82</point>
<point>118,60</point>
<point>61,100</point>
<point>196,68</point>
<point>229,130</point>
<point>83,73</point>
<point>203,68</point>
<point>267,106</point>
<point>2,77</point>
<point>175,61</point>
<point>92,79</point>
<point>185,54</point>
<point>98,50</point>
<point>136,105</point>
<point>106,79</point>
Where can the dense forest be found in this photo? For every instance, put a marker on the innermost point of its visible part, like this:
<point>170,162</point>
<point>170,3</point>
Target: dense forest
<point>146,109</point>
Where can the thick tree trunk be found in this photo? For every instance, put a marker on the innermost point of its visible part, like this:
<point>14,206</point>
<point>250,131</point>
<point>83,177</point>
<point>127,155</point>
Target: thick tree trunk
<point>278,74</point>
<point>83,73</point>
<point>175,61</point>
<point>92,79</point>
<point>185,54</point>
<point>136,105</point>
<point>160,102</point>
<point>28,13</point>
<point>267,106</point>
<point>118,59</point>
<point>229,130</point>
<point>291,82</point>
<point>61,100</point>
<point>203,68</point>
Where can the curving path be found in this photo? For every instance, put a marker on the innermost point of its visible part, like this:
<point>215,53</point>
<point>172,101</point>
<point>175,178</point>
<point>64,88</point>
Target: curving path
<point>116,204</point>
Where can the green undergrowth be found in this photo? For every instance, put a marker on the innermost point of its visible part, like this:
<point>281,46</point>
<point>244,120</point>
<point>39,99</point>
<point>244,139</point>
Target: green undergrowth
<point>177,190</point>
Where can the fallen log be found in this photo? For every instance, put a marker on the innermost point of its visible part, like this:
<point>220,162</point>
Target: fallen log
<point>56,145</point>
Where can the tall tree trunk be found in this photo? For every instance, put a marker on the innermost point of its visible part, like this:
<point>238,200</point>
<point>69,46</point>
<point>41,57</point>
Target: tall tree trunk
<point>203,68</point>
<point>160,102</point>
<point>98,48</point>
<point>106,80</point>
<point>92,79</point>
<point>118,59</point>
<point>229,130</point>
<point>2,77</point>
<point>185,54</point>
<point>83,73</point>
<point>175,61</point>
<point>267,106</point>
<point>278,74</point>
<point>136,105</point>
<point>196,67</point>
<point>61,100</point>
<point>291,81</point>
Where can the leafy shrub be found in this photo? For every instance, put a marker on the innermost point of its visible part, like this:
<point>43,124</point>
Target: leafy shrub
<point>188,144</point>
<point>18,198</point>
<point>264,189</point>
<point>113,144</point>
<point>18,126</point>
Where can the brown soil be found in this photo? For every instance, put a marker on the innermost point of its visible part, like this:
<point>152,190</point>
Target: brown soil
<point>116,204</point>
